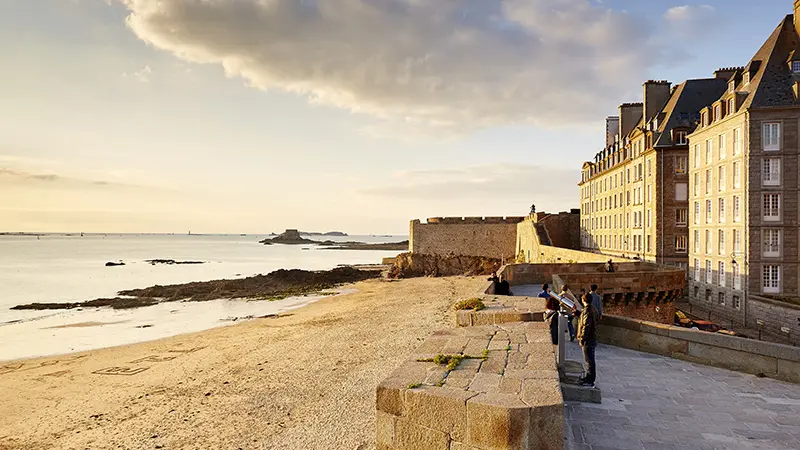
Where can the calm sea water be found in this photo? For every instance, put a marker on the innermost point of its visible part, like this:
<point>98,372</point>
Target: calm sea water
<point>58,268</point>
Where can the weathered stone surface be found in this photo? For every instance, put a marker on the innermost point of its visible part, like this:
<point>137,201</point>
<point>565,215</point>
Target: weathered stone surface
<point>384,427</point>
<point>498,421</point>
<point>389,400</point>
<point>537,393</point>
<point>409,436</point>
<point>441,409</point>
<point>485,382</point>
<point>496,363</point>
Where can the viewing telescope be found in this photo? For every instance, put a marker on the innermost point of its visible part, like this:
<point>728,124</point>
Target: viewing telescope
<point>564,301</point>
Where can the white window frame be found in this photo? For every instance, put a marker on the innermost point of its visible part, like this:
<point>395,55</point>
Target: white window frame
<point>737,276</point>
<point>709,211</point>
<point>723,149</point>
<point>681,164</point>
<point>771,207</point>
<point>681,244</point>
<point>721,242</point>
<point>697,269</point>
<point>709,272</point>
<point>737,142</point>
<point>696,213</point>
<point>709,151</point>
<point>709,243</point>
<point>737,208</point>
<point>722,178</point>
<point>771,279</point>
<point>697,241</point>
<point>737,174</point>
<point>681,217</point>
<point>771,172</point>
<point>773,240</point>
<point>721,274</point>
<point>771,136</point>
<point>709,181</point>
<point>721,210</point>
<point>696,156</point>
<point>680,137</point>
<point>736,302</point>
<point>737,241</point>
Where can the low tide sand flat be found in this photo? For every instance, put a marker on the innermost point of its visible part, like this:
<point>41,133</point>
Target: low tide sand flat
<point>303,381</point>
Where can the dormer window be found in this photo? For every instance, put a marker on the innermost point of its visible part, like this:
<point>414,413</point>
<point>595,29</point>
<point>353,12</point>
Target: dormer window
<point>731,105</point>
<point>732,85</point>
<point>680,138</point>
<point>795,66</point>
<point>717,112</point>
<point>746,78</point>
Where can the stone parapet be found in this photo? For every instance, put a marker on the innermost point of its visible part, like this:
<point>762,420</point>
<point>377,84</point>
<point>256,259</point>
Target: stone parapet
<point>503,309</point>
<point>777,361</point>
<point>504,394</point>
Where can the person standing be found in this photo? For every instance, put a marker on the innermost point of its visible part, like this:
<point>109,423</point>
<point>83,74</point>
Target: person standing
<point>551,312</point>
<point>566,293</point>
<point>495,281</point>
<point>597,301</point>
<point>587,338</point>
<point>503,287</point>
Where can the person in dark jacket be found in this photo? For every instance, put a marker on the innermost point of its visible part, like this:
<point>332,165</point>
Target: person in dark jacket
<point>551,312</point>
<point>503,287</point>
<point>587,337</point>
<point>495,281</point>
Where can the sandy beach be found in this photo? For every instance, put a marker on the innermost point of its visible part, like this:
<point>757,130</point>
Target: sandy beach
<point>303,380</point>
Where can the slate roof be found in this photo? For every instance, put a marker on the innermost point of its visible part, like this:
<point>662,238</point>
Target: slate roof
<point>771,78</point>
<point>684,105</point>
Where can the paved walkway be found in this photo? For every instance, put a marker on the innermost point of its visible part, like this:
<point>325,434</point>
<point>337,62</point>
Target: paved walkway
<point>526,290</point>
<point>653,402</point>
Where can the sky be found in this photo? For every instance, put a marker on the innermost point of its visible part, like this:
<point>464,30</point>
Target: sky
<point>253,116</point>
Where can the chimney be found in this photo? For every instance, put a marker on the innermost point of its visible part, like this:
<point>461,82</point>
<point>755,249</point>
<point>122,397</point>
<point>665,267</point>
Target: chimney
<point>726,73</point>
<point>629,114</point>
<point>797,16</point>
<point>612,128</point>
<point>656,94</point>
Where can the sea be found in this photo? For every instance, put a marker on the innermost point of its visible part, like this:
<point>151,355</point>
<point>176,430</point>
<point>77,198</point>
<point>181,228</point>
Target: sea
<point>58,268</point>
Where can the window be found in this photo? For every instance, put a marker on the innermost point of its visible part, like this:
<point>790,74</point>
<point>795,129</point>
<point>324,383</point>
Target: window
<point>696,184</point>
<point>681,218</point>
<point>649,222</point>
<point>772,207</point>
<point>680,138</point>
<point>680,244</point>
<point>721,295</point>
<point>731,106</point>
<point>721,179</point>
<point>709,244</point>
<point>771,279</point>
<point>722,147</point>
<point>771,137</point>
<point>649,248</point>
<point>795,66</point>
<point>697,241</point>
<point>709,151</point>
<point>708,211</point>
<point>709,276</point>
<point>721,242</point>
<point>696,213</point>
<point>772,172</point>
<point>681,164</point>
<point>696,156</point>
<point>708,181</point>
<point>746,78</point>
<point>737,279</point>
<point>649,168</point>
<point>737,302</point>
<point>737,175</point>
<point>649,193</point>
<point>737,142</point>
<point>721,211</point>
<point>772,243</point>
<point>737,208</point>
<point>681,192</point>
<point>696,273</point>
<point>717,112</point>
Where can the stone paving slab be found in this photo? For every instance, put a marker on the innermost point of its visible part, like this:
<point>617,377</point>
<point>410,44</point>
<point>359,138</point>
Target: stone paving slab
<point>655,402</point>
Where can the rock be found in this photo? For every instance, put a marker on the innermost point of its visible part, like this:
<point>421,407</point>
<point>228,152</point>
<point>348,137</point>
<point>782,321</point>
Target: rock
<point>408,265</point>
<point>114,264</point>
<point>171,262</point>
<point>289,237</point>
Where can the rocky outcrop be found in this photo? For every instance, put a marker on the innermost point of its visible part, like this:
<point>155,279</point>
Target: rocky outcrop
<point>401,246</point>
<point>408,265</point>
<point>289,237</point>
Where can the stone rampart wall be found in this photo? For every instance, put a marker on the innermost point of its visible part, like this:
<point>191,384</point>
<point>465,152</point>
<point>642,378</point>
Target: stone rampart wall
<point>530,249</point>
<point>775,315</point>
<point>777,361</point>
<point>519,274</point>
<point>493,237</point>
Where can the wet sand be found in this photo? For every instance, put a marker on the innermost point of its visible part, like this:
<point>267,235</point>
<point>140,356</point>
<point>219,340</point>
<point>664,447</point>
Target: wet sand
<point>304,380</point>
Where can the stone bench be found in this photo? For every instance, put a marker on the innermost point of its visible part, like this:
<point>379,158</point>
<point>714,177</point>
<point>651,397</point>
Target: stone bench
<point>503,309</point>
<point>504,395</point>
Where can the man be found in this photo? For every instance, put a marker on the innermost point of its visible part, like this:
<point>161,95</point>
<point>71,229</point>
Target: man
<point>503,287</point>
<point>610,266</point>
<point>587,338</point>
<point>597,301</point>
<point>495,281</point>
<point>551,312</point>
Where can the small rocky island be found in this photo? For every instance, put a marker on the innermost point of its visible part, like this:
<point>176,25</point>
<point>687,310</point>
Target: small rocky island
<point>294,237</point>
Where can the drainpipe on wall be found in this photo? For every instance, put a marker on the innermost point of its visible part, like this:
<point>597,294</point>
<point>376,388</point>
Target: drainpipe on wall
<point>663,227</point>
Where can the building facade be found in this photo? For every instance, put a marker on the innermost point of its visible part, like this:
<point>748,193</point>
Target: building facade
<point>634,194</point>
<point>744,188</point>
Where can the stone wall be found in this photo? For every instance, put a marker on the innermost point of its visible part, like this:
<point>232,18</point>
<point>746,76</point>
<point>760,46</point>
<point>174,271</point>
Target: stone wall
<point>775,315</point>
<point>777,361</point>
<point>493,237</point>
<point>531,249</point>
<point>411,265</point>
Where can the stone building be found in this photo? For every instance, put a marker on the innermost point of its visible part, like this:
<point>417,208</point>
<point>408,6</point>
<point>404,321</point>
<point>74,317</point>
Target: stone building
<point>744,189</point>
<point>634,194</point>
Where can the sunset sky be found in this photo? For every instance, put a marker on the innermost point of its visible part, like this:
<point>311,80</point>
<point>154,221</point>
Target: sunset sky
<point>251,116</point>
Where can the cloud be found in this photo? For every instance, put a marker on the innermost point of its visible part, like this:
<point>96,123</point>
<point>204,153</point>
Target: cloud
<point>16,176</point>
<point>515,184</point>
<point>454,64</point>
<point>691,21</point>
<point>142,75</point>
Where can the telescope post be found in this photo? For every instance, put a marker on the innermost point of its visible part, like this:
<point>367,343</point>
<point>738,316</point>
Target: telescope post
<point>562,329</point>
